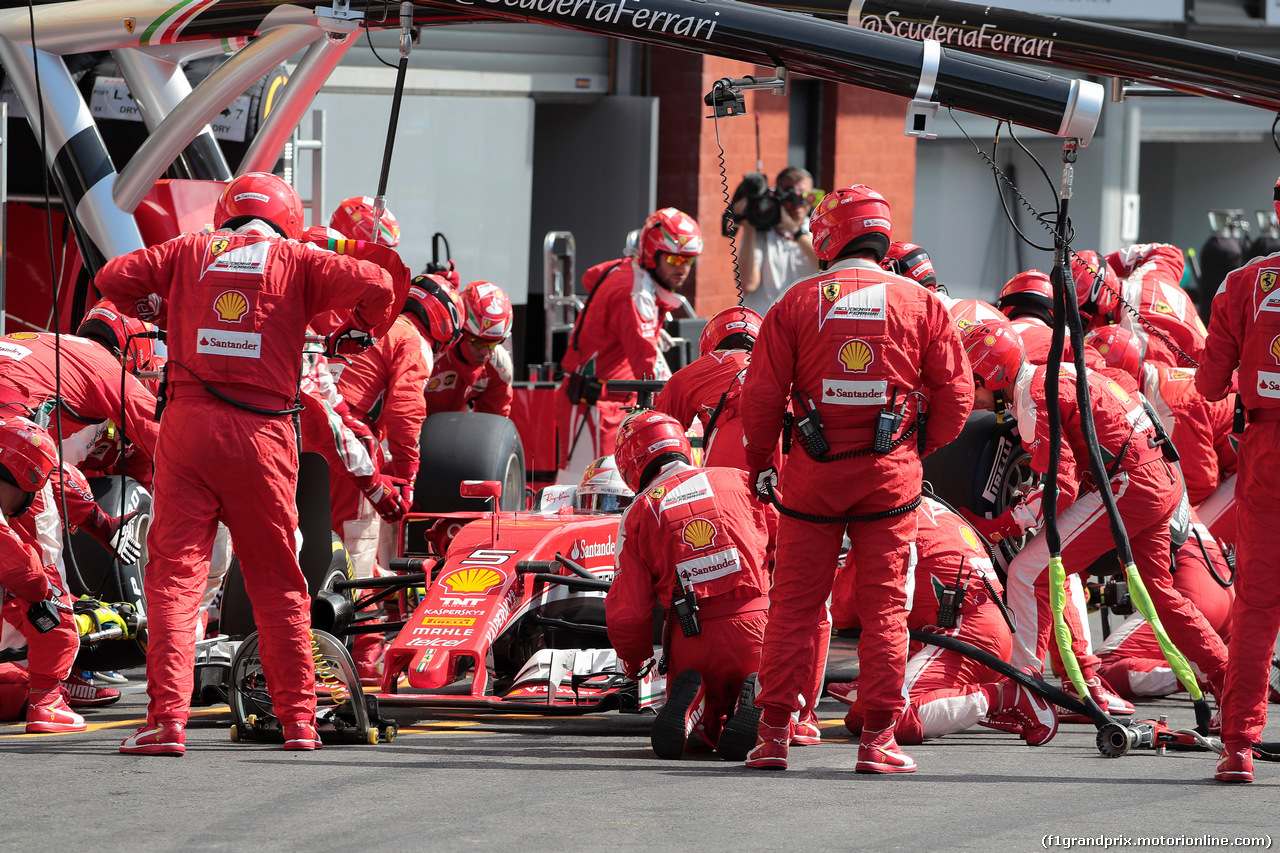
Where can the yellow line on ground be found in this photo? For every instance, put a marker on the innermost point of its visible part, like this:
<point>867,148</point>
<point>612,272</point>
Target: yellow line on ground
<point>94,727</point>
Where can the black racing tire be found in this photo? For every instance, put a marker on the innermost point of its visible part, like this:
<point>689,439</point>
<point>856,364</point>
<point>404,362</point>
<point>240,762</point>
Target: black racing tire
<point>236,614</point>
<point>457,446</point>
<point>982,470</point>
<point>109,580</point>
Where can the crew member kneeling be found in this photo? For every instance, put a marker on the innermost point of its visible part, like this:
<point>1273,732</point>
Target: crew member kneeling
<point>695,541</point>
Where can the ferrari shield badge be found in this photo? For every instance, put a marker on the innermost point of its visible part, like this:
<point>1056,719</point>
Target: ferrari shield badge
<point>218,246</point>
<point>129,25</point>
<point>1267,281</point>
<point>831,290</point>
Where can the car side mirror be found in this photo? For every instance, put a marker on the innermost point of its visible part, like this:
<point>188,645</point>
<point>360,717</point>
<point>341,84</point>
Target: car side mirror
<point>481,489</point>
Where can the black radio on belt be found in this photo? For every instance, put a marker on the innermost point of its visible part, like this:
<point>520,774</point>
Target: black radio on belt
<point>686,607</point>
<point>809,426</point>
<point>952,601</point>
<point>887,424</point>
<point>44,616</point>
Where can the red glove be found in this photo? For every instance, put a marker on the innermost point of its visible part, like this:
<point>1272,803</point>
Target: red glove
<point>384,493</point>
<point>632,670</point>
<point>406,492</point>
<point>347,339</point>
<point>993,530</point>
<point>109,532</point>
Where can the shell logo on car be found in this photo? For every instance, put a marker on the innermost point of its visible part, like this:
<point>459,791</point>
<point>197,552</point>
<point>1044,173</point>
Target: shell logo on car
<point>699,533</point>
<point>856,355</point>
<point>474,580</point>
<point>231,306</point>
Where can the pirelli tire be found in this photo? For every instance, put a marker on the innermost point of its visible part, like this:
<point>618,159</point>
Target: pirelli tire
<point>106,578</point>
<point>983,470</point>
<point>457,446</point>
<point>236,614</point>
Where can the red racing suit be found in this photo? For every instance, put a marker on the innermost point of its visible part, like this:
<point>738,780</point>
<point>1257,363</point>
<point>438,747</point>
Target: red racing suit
<point>383,387</point>
<point>1147,491</point>
<point>1149,281</point>
<point>1132,661</point>
<point>238,305</point>
<point>456,384</point>
<point>1243,332</point>
<point>27,576</point>
<point>849,338</point>
<point>614,337</point>
<point>1195,424</point>
<point>948,553</point>
<point>711,386</point>
<point>90,391</point>
<point>699,527</point>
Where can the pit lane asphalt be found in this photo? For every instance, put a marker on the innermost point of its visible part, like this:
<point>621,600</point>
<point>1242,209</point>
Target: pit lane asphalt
<point>457,781</point>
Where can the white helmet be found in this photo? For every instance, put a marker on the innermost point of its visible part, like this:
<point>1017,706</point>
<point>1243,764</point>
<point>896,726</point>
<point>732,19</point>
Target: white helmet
<point>602,488</point>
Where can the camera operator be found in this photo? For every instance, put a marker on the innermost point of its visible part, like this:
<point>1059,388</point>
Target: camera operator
<point>775,245</point>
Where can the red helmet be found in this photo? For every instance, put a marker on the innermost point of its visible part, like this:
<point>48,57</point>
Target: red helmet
<point>486,311</point>
<point>644,437</point>
<point>1118,346</point>
<point>726,324</point>
<point>669,230</point>
<point>115,331</point>
<point>854,217</point>
<point>995,353</point>
<point>432,302</point>
<point>354,220</point>
<point>260,195</point>
<point>967,313</point>
<point>1097,288</point>
<point>27,453</point>
<point>908,259</point>
<point>1028,292</point>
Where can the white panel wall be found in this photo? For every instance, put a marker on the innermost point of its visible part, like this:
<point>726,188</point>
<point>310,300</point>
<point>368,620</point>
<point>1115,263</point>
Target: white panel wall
<point>462,166</point>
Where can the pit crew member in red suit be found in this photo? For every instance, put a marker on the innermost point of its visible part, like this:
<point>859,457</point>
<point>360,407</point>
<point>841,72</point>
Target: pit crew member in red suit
<point>383,387</point>
<point>476,371</point>
<point>1131,658</point>
<point>850,339</point>
<point>1027,300</point>
<point>947,691</point>
<point>28,580</point>
<point>1147,490</point>
<point>236,303</point>
<point>701,529</point>
<point>1244,334</point>
<point>90,391</point>
<point>1146,277</point>
<point>710,388</point>
<point>617,335</point>
<point>1195,424</point>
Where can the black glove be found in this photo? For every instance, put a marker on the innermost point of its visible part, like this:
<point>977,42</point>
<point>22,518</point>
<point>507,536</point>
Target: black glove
<point>44,615</point>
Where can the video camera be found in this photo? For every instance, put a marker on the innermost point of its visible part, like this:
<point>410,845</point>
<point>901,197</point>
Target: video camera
<point>763,209</point>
